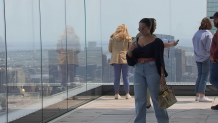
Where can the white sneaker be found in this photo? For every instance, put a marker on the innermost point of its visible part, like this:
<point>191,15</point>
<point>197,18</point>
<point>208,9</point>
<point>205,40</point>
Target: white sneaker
<point>204,99</point>
<point>197,98</point>
<point>128,96</point>
<point>117,96</point>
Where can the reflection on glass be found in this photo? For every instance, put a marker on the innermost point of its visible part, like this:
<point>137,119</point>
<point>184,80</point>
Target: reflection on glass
<point>94,41</point>
<point>70,65</point>
<point>52,24</point>
<point>68,56</point>
<point>3,99</point>
<point>23,58</point>
<point>3,89</point>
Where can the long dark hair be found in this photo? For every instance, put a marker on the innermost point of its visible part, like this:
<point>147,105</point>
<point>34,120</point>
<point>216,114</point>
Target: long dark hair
<point>152,26</point>
<point>146,21</point>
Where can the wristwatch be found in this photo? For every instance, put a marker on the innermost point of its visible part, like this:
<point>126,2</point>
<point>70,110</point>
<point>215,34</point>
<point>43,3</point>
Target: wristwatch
<point>162,74</point>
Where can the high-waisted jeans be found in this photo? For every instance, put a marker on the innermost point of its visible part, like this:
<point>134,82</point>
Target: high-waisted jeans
<point>146,76</point>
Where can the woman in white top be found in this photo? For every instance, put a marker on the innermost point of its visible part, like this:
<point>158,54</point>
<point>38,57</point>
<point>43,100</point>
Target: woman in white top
<point>201,43</point>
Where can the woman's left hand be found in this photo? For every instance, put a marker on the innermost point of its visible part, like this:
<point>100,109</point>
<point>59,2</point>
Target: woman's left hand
<point>162,80</point>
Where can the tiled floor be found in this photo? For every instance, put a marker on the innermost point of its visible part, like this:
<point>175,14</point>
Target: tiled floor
<point>107,110</point>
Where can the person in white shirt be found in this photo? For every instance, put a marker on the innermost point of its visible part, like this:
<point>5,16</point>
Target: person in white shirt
<point>201,43</point>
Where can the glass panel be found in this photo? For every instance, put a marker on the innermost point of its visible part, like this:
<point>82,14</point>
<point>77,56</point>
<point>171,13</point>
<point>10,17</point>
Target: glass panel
<point>3,98</point>
<point>94,48</point>
<point>76,53</point>
<point>23,59</point>
<point>54,55</point>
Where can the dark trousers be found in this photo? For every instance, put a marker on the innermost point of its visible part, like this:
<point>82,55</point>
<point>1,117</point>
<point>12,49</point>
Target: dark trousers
<point>214,74</point>
<point>71,73</point>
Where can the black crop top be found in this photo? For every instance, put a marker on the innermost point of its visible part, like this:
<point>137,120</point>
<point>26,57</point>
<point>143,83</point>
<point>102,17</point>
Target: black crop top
<point>154,50</point>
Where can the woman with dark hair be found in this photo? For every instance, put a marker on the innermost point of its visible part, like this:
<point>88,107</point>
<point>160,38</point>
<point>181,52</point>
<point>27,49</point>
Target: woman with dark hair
<point>166,45</point>
<point>153,28</point>
<point>147,56</point>
<point>201,43</point>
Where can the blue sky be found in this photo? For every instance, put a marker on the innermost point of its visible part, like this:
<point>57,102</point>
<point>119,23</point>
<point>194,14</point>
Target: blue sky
<point>180,18</point>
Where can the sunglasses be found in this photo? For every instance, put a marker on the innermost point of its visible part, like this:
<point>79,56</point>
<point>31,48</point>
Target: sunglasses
<point>141,28</point>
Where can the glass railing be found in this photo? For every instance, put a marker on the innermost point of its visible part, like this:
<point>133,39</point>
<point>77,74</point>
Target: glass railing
<point>53,50</point>
<point>3,66</point>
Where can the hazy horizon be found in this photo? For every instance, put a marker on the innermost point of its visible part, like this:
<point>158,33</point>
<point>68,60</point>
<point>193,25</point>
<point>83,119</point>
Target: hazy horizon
<point>179,18</point>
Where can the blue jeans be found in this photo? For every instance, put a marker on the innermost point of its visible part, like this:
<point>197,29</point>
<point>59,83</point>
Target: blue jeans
<point>125,75</point>
<point>203,71</point>
<point>146,76</point>
<point>214,74</point>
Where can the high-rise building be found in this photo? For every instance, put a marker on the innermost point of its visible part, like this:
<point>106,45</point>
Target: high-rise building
<point>190,60</point>
<point>14,76</point>
<point>2,80</point>
<point>170,63</point>
<point>212,7</point>
<point>93,65</point>
<point>189,68</point>
<point>53,67</point>
<point>183,61</point>
<point>180,63</point>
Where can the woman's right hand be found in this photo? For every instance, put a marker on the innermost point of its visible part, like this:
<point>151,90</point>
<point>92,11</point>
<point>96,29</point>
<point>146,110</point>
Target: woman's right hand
<point>132,47</point>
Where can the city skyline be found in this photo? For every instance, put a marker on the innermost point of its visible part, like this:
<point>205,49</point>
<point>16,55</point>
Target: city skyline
<point>54,53</point>
<point>170,20</point>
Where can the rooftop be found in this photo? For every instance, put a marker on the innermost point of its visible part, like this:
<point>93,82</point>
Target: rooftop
<point>108,110</point>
